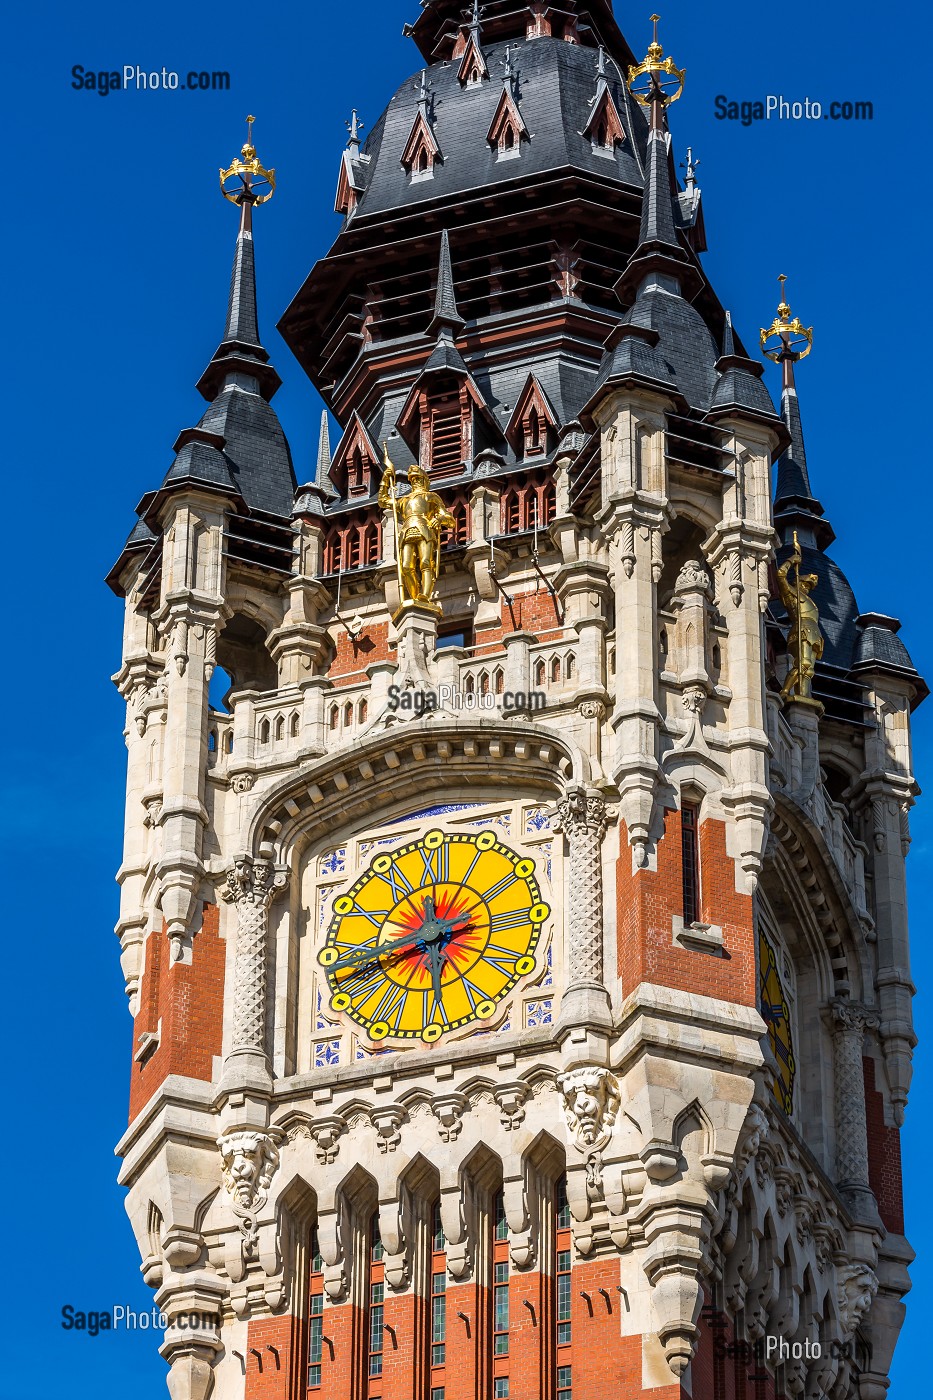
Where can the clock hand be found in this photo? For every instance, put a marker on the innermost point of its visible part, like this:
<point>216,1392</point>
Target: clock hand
<point>362,956</point>
<point>434,958</point>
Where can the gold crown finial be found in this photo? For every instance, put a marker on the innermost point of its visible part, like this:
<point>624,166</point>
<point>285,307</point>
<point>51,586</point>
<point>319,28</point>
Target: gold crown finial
<point>246,180</point>
<point>794,340</point>
<point>657,78</point>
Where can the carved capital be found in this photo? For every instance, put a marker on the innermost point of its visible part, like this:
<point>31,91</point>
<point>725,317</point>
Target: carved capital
<point>852,1016</point>
<point>326,1133</point>
<point>582,814</point>
<point>511,1100</point>
<point>254,882</point>
<point>387,1122</point>
<point>449,1109</point>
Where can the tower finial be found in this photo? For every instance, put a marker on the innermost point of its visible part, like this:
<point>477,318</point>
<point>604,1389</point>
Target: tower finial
<point>690,167</point>
<point>355,126</point>
<point>657,81</point>
<point>246,181</point>
<point>793,340</point>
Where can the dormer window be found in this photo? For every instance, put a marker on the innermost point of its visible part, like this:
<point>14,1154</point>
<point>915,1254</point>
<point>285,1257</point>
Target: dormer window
<point>473,67</point>
<point>604,127</point>
<point>508,128</point>
<point>421,152</point>
<point>533,426</point>
<point>355,468</point>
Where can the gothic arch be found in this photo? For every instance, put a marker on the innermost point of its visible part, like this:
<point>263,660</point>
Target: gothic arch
<point>399,764</point>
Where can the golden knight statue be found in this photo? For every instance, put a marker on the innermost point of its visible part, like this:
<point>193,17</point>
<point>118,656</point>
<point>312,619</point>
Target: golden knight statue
<point>420,519</point>
<point>804,638</point>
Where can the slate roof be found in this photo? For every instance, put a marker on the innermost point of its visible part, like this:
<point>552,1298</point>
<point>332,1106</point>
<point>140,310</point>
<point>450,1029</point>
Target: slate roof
<point>555,85</point>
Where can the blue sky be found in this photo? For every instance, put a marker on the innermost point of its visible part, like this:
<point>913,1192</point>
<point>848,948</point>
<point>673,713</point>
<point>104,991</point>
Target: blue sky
<point>118,249</point>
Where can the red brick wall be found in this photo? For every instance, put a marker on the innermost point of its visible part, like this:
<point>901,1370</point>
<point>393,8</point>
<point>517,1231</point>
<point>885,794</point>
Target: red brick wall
<point>274,1381</point>
<point>534,612</point>
<point>189,1000</point>
<point>350,661</point>
<point>341,1364</point>
<point>648,901</point>
<point>468,1344</point>
<point>403,1359</point>
<point>884,1154</point>
<point>531,1353</point>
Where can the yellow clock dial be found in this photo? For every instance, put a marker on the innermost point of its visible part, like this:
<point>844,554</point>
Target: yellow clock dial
<point>433,936</point>
<point>776,1015</point>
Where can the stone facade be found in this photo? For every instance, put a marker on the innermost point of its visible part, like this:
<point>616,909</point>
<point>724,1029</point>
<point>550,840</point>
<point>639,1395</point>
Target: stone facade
<point>612,1149</point>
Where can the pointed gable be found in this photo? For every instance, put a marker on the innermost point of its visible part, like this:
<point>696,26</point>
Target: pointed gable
<point>532,420</point>
<point>349,186</point>
<point>473,69</point>
<point>604,127</point>
<point>356,462</point>
<point>421,152</point>
<point>508,128</point>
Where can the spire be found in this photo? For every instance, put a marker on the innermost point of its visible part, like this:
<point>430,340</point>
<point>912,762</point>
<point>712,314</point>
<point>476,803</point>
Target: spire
<point>447,319</point>
<point>655,84</point>
<point>245,183</point>
<point>323,450</point>
<point>786,341</point>
<point>728,338</point>
<point>476,24</point>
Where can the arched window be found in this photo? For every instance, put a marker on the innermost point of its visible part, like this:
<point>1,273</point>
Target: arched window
<point>571,665</point>
<point>690,848</point>
<point>562,1289</point>
<point>348,713</point>
<point>334,716</point>
<point>315,1316</point>
<point>500,1296</point>
<point>362,710</point>
<point>555,669</point>
<point>438,1342</point>
<point>539,672</point>
<point>376,1328</point>
<point>498,680</point>
<point>295,725</point>
<point>280,727</point>
<point>265,732</point>
<point>212,741</point>
<point>484,682</point>
<point>228,741</point>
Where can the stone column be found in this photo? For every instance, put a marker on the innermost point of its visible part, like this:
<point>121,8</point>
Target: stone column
<point>583,818</point>
<point>850,1022</point>
<point>251,886</point>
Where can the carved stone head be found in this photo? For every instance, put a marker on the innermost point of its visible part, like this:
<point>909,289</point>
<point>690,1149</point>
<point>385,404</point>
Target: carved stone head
<point>857,1287</point>
<point>248,1162</point>
<point>591,1104</point>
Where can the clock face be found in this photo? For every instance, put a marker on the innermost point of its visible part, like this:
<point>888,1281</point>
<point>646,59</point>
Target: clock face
<point>776,1015</point>
<point>433,936</point>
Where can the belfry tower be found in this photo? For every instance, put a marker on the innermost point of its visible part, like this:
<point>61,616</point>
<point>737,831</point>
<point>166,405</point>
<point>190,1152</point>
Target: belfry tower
<point>513,904</point>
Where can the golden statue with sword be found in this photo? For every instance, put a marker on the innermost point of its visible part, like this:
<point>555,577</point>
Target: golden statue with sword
<point>804,639</point>
<point>420,519</point>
